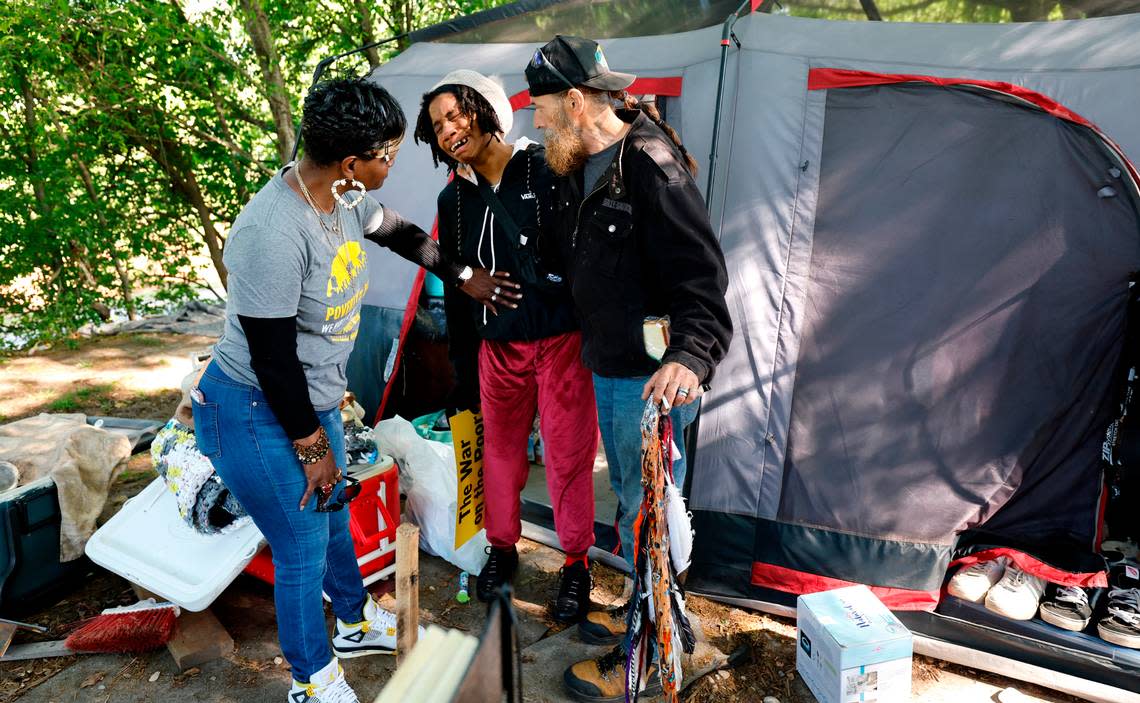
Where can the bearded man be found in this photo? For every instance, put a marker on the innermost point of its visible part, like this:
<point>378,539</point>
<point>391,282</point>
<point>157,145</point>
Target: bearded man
<point>636,243</point>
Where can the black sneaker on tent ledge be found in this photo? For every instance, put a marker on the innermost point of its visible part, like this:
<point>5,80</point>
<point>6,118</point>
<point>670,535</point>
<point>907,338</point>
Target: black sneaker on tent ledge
<point>1068,609</point>
<point>1121,626</point>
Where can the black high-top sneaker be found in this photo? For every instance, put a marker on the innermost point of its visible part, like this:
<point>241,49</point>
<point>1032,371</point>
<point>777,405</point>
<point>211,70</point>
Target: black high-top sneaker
<point>573,598</point>
<point>499,569</point>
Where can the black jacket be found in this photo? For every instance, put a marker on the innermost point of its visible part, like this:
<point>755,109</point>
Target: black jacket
<point>638,246</point>
<point>470,235</point>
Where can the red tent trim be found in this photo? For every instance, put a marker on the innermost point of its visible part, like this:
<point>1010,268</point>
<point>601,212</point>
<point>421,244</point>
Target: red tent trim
<point>780,578</point>
<point>828,78</point>
<point>669,86</point>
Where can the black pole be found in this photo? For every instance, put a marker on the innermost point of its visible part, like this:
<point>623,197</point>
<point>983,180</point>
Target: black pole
<point>323,66</point>
<point>725,40</point>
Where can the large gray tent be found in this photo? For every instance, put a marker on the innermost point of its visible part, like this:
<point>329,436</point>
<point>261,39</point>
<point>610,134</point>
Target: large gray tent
<point>930,232</point>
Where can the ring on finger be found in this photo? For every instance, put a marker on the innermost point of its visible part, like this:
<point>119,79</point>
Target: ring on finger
<point>498,290</point>
<point>494,297</point>
<point>682,392</point>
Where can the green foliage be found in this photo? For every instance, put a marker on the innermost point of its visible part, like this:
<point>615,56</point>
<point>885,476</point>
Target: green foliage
<point>133,131</point>
<point>82,397</point>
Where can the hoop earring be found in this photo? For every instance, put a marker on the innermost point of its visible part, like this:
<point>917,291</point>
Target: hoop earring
<point>345,203</point>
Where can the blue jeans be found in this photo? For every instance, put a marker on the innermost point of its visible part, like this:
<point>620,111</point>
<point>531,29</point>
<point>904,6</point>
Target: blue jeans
<point>619,415</point>
<point>250,451</point>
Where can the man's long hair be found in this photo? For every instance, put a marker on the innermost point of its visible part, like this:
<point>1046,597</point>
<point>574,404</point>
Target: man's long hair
<point>631,102</point>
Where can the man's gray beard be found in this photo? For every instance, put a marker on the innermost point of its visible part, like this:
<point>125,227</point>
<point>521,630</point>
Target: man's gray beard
<point>565,152</point>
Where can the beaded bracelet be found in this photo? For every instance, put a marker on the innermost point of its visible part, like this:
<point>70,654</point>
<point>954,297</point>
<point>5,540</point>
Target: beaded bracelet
<point>314,452</point>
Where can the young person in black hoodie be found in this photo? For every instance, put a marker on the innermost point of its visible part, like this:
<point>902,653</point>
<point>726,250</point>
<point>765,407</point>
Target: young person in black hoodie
<point>526,354</point>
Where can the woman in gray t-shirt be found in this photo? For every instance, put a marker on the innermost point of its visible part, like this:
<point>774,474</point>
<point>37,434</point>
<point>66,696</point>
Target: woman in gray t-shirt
<point>266,410</point>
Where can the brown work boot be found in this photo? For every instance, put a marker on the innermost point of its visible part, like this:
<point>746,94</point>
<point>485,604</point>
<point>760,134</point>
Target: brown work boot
<point>604,626</point>
<point>602,680</point>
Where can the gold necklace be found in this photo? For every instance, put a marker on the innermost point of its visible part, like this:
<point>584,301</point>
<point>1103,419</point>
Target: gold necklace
<point>335,228</point>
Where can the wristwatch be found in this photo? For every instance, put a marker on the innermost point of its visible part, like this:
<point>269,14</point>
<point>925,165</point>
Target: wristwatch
<point>465,275</point>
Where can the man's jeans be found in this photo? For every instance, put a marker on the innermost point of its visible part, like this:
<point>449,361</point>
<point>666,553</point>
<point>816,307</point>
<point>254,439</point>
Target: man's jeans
<point>619,415</point>
<point>250,451</point>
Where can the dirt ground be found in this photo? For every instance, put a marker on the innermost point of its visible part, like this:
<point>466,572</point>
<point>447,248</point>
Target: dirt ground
<point>137,376</point>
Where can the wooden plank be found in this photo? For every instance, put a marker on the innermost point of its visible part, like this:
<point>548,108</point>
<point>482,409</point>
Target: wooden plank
<point>37,650</point>
<point>7,630</point>
<point>199,638</point>
<point>407,589</point>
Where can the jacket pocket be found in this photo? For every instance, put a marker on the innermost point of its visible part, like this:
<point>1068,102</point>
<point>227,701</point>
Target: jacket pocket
<point>609,238</point>
<point>206,429</point>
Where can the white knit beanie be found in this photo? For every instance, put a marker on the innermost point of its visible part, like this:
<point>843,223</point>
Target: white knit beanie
<point>489,88</point>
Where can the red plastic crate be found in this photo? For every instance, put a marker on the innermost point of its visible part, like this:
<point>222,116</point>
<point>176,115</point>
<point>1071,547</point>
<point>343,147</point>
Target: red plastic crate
<point>373,519</point>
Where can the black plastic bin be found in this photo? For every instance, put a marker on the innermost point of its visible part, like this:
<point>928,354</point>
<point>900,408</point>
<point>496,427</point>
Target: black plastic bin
<point>30,570</point>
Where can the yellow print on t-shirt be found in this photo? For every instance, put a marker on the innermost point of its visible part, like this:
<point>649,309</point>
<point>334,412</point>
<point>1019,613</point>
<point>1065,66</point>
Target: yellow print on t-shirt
<point>350,262</point>
<point>342,322</point>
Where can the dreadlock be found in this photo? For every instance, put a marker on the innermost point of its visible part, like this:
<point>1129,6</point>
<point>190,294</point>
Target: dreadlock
<point>469,103</point>
<point>630,102</point>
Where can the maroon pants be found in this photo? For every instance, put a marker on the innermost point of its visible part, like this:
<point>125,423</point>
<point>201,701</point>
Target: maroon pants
<point>515,378</point>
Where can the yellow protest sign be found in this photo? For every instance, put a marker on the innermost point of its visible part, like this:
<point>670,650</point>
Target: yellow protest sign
<point>467,439</point>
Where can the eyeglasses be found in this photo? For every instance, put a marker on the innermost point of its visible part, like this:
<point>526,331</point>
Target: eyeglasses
<point>348,494</point>
<point>387,151</point>
<point>539,60</point>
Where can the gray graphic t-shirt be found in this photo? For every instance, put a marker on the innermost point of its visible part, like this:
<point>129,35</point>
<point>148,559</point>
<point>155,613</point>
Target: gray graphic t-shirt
<point>282,263</point>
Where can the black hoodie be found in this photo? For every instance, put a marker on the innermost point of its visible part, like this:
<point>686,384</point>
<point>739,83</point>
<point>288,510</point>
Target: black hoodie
<point>470,235</point>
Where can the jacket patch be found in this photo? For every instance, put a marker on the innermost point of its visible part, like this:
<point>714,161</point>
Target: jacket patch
<point>617,205</point>
<point>528,196</point>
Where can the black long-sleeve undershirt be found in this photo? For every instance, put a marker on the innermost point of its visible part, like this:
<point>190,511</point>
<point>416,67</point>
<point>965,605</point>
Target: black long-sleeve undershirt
<point>273,341</point>
<point>273,357</point>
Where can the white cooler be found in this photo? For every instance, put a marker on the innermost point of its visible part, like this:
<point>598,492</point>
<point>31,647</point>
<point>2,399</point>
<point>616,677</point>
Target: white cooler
<point>149,544</point>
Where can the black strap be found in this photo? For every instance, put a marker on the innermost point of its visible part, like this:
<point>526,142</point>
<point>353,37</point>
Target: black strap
<point>492,199</point>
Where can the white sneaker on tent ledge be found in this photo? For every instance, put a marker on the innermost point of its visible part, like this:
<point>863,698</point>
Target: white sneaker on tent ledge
<point>375,634</point>
<point>1016,595</point>
<point>973,582</point>
<point>325,686</point>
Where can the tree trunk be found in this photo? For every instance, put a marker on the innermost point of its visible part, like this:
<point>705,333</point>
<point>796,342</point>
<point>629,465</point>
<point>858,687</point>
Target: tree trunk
<point>257,25</point>
<point>368,32</point>
<point>124,276</point>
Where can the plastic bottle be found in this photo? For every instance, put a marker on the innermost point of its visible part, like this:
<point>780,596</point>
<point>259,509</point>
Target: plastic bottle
<point>462,596</point>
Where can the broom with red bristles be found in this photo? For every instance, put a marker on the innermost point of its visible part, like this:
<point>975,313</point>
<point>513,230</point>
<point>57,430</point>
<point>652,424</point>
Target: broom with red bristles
<point>131,629</point>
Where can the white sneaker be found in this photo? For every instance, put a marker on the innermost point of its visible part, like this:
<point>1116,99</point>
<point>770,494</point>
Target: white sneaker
<point>325,686</point>
<point>973,582</point>
<point>1016,595</point>
<point>375,634</point>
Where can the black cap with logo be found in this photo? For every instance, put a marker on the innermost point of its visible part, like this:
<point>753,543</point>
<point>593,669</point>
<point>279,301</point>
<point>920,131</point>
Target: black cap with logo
<point>568,62</point>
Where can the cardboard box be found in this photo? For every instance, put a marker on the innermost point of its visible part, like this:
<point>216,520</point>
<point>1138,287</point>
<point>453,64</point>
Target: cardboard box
<point>851,649</point>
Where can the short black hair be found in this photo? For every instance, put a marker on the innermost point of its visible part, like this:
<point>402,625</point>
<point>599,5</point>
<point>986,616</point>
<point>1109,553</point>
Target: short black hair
<point>349,117</point>
<point>471,103</point>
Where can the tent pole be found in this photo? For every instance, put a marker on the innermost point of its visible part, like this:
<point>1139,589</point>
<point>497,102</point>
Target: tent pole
<point>323,66</point>
<point>726,37</point>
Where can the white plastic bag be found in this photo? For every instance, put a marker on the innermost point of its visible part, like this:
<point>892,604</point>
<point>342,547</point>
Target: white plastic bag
<point>679,520</point>
<point>427,477</point>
